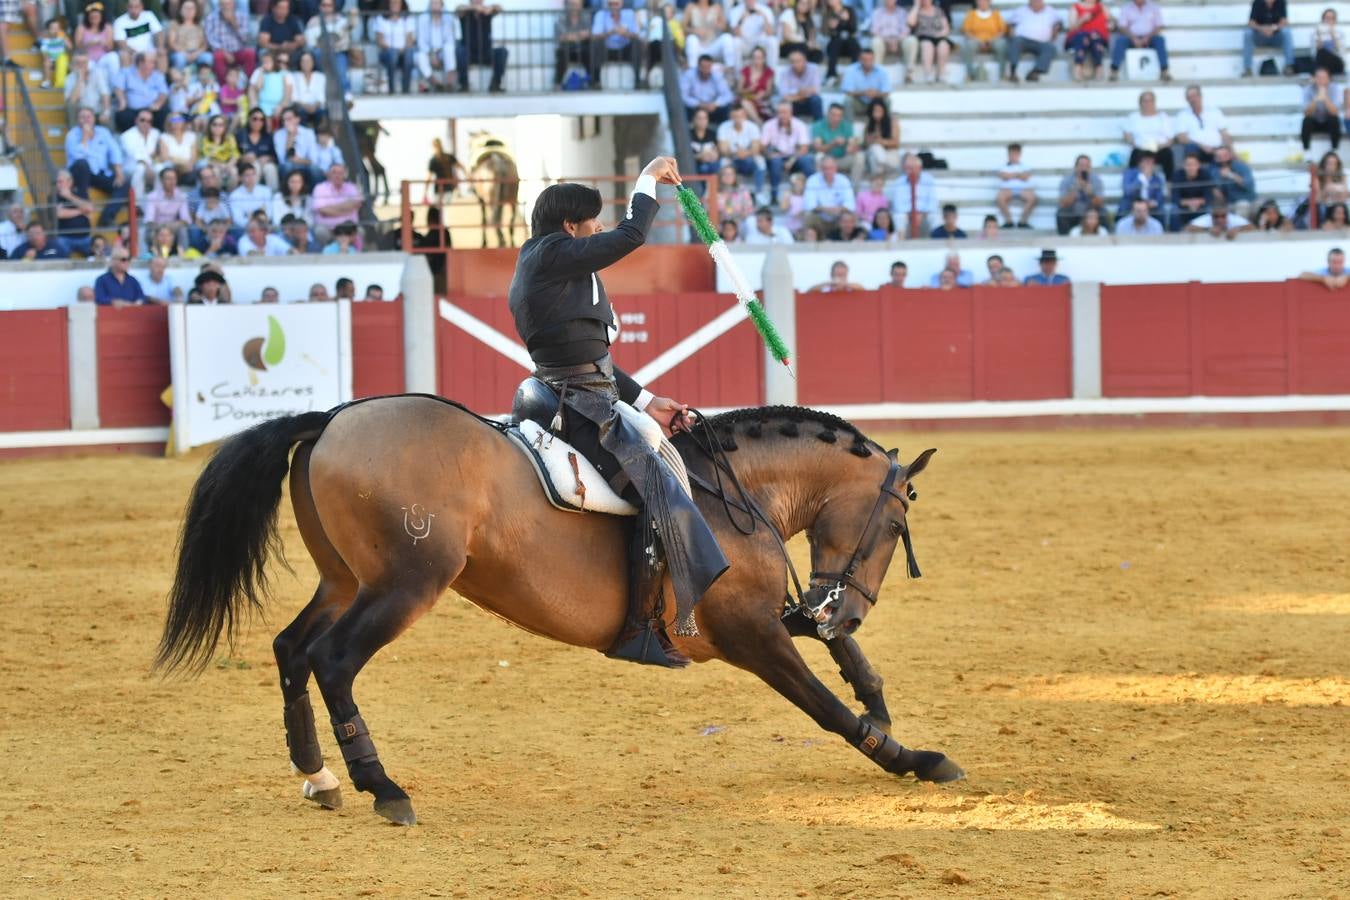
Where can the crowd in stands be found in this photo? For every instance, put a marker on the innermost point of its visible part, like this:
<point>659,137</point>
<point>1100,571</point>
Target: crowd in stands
<point>953,276</point>
<point>158,285</point>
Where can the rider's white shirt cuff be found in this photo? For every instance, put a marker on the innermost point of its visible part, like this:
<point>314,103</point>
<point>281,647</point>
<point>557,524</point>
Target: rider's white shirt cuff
<point>640,404</point>
<point>646,184</point>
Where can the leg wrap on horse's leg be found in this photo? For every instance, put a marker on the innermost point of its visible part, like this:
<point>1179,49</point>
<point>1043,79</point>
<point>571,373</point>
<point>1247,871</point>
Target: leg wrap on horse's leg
<point>882,749</point>
<point>854,668</point>
<point>301,738</point>
<point>354,740</point>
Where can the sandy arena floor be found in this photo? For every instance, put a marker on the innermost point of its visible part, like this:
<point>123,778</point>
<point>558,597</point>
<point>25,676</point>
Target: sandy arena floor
<point>1136,644</point>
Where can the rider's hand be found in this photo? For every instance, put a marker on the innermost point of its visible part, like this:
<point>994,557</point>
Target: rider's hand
<point>671,416</point>
<point>664,170</point>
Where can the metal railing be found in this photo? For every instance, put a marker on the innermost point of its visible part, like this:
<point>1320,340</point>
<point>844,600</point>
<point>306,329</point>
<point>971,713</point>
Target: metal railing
<point>23,136</point>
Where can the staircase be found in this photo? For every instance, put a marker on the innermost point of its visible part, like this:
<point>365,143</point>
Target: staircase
<point>26,136</point>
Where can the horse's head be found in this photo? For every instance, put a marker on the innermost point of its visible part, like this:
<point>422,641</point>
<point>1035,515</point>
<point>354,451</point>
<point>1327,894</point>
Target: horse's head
<point>853,539</point>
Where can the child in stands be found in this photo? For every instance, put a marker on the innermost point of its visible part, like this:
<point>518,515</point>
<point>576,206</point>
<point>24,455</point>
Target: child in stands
<point>55,48</point>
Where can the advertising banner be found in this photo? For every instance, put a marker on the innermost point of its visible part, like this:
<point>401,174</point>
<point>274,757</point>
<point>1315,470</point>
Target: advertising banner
<point>236,366</point>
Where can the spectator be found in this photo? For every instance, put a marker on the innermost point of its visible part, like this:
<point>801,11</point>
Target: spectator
<point>899,272</point>
<point>706,34</point>
<point>985,32</point>
<point>177,149</point>
<point>159,287</point>
<point>949,229</point>
<point>137,30</point>
<point>339,30</point>
<point>1199,130</point>
<point>1220,223</point>
<point>1328,45</point>
<point>1144,183</point>
<point>838,281</point>
<point>87,86</point>
<point>733,201</point>
<point>1192,189</point>
<point>1235,180</point>
<point>833,137</point>
<point>1140,23</point>
<point>295,231</point>
<point>203,97</point>
<point>995,266</point>
<point>839,23</point>
<point>269,295</point>
<point>227,36</point>
<point>883,226</point>
<point>211,290</point>
<point>219,242</point>
<point>140,87</point>
<point>211,209</point>
<point>309,89</point>
<point>1140,220</point>
<point>828,194</point>
<point>327,153</point>
<point>269,87</point>
<point>1080,190</point>
<point>167,205</point>
<point>295,148</point>
<point>249,197</point>
<point>932,29</point>
<point>703,144</point>
<point>84,293</point>
<point>810,235</point>
<point>572,44</point>
<point>208,177</point>
<point>162,241</point>
<point>344,289</point>
<point>95,159</point>
<point>73,214</point>
<point>787,147</point>
<point>318,293</point>
<point>1015,184</point>
<point>989,229</point>
<point>1089,25</point>
<point>738,140</point>
<point>94,38</point>
<point>117,286</point>
<point>258,241</point>
<point>799,84</point>
<point>1334,276</point>
<point>915,196</point>
<point>395,35</point>
<point>891,36</point>
<point>12,230</point>
<point>1150,131</point>
<point>1091,226</point>
<point>1008,278</point>
<point>374,293</point>
<point>729,231</point>
<point>187,39</point>
<point>702,88</point>
<point>219,153</point>
<point>1047,276</point>
<point>867,83</point>
<point>475,48</point>
<point>847,229</point>
<point>874,198</point>
<point>279,31</point>
<point>336,200</point>
<point>881,140</point>
<point>753,26</point>
<point>1269,218</point>
<point>793,203</point>
<point>1034,29</point>
<point>37,245</point>
<point>755,88</point>
<point>1320,113</point>
<point>343,242</point>
<point>797,32</point>
<point>1268,26</point>
<point>952,269</point>
<point>292,200</point>
<point>1331,184</point>
<point>257,147</point>
<point>1336,218</point>
<point>234,95</point>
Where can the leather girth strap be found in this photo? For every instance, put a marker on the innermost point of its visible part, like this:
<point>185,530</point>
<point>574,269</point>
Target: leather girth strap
<point>301,738</point>
<point>354,740</point>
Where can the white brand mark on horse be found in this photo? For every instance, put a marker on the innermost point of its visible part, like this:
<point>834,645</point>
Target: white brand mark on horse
<point>417,522</point>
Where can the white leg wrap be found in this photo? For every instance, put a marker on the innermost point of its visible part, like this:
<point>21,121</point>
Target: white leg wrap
<point>322,780</point>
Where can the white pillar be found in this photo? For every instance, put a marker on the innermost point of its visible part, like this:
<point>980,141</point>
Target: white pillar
<point>1086,328</point>
<point>780,302</point>
<point>82,350</point>
<point>419,326</point>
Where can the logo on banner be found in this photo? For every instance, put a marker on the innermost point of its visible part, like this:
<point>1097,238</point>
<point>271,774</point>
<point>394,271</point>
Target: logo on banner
<point>260,353</point>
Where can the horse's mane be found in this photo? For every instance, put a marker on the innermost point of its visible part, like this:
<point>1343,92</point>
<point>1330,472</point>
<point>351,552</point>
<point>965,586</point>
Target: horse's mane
<point>787,421</point>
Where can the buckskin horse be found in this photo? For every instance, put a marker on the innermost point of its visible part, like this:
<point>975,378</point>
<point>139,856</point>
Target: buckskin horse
<point>399,498</point>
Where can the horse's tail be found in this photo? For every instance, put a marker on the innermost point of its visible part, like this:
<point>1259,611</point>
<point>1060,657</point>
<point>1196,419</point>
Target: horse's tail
<point>229,532</point>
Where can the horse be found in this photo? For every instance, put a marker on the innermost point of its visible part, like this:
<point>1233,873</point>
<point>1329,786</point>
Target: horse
<point>496,184</point>
<point>367,137</point>
<point>399,498</point>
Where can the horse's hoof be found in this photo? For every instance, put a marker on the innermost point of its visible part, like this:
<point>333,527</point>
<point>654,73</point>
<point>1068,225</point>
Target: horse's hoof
<point>933,766</point>
<point>329,799</point>
<point>399,811</point>
<point>883,727</point>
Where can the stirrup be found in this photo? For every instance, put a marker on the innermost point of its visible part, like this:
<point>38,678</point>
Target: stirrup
<point>649,646</point>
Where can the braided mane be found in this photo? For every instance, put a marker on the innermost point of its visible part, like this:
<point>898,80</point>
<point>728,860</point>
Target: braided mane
<point>760,421</point>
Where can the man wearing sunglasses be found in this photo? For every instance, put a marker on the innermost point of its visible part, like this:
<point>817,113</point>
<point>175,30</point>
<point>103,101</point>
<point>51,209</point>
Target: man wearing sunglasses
<point>117,286</point>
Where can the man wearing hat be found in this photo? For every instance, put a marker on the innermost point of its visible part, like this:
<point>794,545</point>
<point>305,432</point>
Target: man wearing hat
<point>211,288</point>
<point>1047,276</point>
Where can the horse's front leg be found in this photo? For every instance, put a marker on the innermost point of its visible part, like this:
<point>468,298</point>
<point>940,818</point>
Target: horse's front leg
<point>857,671</point>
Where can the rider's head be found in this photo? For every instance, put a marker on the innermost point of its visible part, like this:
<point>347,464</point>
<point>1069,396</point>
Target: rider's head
<point>572,208</point>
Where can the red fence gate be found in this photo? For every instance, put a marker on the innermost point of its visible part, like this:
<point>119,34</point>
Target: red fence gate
<point>34,370</point>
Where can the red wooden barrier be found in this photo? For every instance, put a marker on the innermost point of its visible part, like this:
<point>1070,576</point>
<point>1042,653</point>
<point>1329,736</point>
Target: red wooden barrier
<point>929,345</point>
<point>377,349</point>
<point>1224,340</point>
<point>34,370</point>
<point>133,366</point>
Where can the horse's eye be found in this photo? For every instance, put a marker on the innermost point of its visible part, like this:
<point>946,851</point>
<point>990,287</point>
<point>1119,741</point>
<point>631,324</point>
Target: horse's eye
<point>895,529</point>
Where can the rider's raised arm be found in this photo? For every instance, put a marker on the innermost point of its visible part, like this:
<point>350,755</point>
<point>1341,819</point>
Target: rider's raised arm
<point>573,258</point>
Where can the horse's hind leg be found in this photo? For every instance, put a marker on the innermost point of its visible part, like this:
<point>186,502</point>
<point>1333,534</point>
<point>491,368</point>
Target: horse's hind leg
<point>867,684</point>
<point>376,617</point>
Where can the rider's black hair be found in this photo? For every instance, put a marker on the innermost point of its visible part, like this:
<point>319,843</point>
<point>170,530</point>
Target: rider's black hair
<point>566,202</point>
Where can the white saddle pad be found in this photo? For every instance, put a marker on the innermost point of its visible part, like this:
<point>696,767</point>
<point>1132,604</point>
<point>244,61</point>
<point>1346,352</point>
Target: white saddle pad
<point>583,488</point>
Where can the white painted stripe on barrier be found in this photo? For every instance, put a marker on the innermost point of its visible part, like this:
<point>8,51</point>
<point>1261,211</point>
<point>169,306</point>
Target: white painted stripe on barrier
<point>688,346</point>
<point>24,440</point>
<point>477,328</point>
<point>1115,406</point>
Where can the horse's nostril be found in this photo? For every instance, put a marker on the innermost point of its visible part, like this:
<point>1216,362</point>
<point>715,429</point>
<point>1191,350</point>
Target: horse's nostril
<point>852,625</point>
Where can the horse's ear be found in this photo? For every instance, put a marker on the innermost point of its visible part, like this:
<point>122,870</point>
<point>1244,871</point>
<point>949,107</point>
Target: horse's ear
<point>920,463</point>
<point>894,454</point>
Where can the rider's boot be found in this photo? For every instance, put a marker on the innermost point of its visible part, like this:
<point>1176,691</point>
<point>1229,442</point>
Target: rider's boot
<point>643,638</point>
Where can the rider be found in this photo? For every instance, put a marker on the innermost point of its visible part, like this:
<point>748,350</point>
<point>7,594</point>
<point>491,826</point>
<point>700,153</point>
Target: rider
<point>564,317</point>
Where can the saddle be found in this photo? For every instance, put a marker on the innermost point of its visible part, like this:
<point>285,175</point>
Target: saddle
<point>570,481</point>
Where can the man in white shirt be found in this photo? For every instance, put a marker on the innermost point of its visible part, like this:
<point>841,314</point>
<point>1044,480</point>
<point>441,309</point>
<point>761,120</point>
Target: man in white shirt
<point>296,148</point>
<point>1014,183</point>
<point>258,241</point>
<point>158,285</point>
<point>437,36</point>
<point>12,229</point>
<point>1034,29</point>
<point>137,29</point>
<point>140,143</point>
<point>753,25</point>
<point>1149,131</point>
<point>766,230</point>
<point>738,140</point>
<point>915,197</point>
<point>1139,221</point>
<point>249,197</point>
<point>395,37</point>
<point>1220,223</point>
<point>1200,130</point>
<point>827,195</point>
